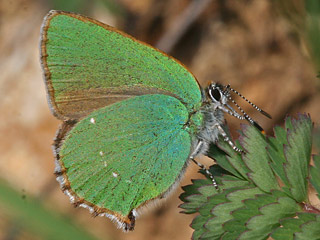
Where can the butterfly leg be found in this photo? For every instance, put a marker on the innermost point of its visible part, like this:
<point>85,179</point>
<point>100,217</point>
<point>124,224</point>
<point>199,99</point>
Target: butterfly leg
<point>196,151</point>
<point>226,138</point>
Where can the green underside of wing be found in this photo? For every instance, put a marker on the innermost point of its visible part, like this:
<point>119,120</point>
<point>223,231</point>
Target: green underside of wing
<point>92,66</point>
<point>127,153</point>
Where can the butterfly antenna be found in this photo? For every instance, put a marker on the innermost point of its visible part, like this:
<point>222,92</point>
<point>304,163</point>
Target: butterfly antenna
<point>248,101</point>
<point>246,116</point>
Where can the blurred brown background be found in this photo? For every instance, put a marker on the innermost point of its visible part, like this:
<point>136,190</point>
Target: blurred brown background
<point>250,44</point>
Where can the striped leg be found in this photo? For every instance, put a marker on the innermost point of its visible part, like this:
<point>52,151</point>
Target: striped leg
<point>196,151</point>
<point>226,138</point>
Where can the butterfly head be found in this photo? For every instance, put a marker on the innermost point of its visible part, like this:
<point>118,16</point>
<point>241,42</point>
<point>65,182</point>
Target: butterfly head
<point>218,94</point>
<point>219,97</point>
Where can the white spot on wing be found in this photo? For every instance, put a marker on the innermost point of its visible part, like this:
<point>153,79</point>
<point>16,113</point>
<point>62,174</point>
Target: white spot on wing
<point>92,120</point>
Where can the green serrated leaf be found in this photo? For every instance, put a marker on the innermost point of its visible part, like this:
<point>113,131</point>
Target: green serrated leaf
<point>229,236</point>
<point>192,198</point>
<point>231,162</point>
<point>257,159</point>
<point>227,184</point>
<point>297,154</point>
<point>220,157</point>
<point>194,202</point>
<point>275,150</point>
<point>288,123</point>
<point>252,208</point>
<point>287,228</point>
<point>290,226</point>
<point>287,191</point>
<point>222,212</point>
<point>206,210</point>
<point>310,230</point>
<point>250,204</point>
<point>193,188</point>
<point>205,214</point>
<point>198,224</point>
<point>207,190</point>
<point>306,217</point>
<point>260,227</point>
<point>217,171</point>
<point>236,227</point>
<point>315,174</point>
<point>282,233</point>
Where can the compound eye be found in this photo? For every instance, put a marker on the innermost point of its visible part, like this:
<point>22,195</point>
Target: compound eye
<point>215,93</point>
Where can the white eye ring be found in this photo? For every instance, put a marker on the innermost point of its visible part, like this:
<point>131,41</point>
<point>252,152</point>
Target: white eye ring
<point>215,93</point>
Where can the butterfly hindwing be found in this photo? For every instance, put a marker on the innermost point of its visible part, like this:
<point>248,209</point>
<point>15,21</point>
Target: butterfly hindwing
<point>123,155</point>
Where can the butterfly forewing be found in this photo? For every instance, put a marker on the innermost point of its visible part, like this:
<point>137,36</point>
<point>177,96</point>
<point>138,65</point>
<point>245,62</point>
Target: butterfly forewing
<point>88,65</point>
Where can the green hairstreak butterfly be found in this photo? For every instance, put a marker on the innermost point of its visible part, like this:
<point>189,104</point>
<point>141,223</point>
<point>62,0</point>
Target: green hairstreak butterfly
<point>133,117</point>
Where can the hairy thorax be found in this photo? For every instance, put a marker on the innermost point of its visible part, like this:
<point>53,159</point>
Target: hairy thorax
<point>203,124</point>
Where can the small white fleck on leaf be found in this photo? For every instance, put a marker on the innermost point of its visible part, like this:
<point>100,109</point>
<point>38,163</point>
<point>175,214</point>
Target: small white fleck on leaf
<point>105,164</point>
<point>92,120</point>
<point>115,174</point>
<point>101,153</point>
